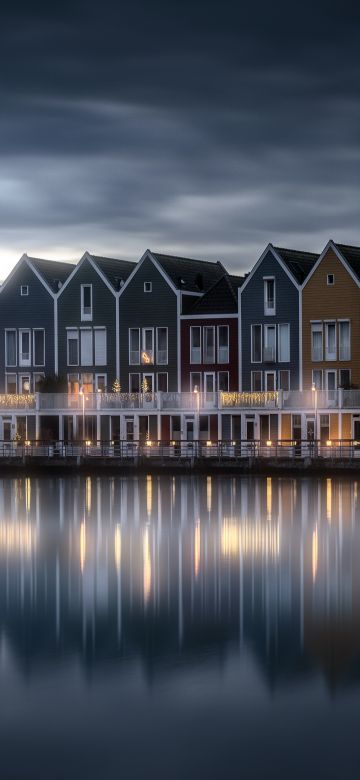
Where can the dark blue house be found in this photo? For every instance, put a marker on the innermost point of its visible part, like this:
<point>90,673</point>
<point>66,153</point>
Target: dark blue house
<point>28,344</point>
<point>270,320</point>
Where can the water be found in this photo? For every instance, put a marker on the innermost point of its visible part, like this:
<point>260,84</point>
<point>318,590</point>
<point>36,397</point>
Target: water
<point>179,628</point>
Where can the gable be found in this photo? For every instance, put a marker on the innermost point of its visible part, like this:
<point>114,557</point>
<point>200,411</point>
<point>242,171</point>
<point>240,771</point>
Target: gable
<point>317,282</point>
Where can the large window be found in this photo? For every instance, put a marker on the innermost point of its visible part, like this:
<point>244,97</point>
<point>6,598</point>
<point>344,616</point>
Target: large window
<point>195,344</point>
<point>317,378</point>
<point>344,341</point>
<point>147,354</point>
<point>256,381</point>
<point>284,343</point>
<point>284,380</point>
<point>330,341</point>
<point>195,381</point>
<point>86,347</point>
<point>134,383</point>
<point>269,296</point>
<point>269,344</point>
<point>162,346</point>
<point>162,382</point>
<point>256,345</point>
<point>344,378</point>
<point>223,344</point>
<point>209,344</point>
<point>100,347</point>
<point>134,346</point>
<point>39,347</point>
<point>24,348</point>
<point>316,341</point>
<point>10,383</point>
<point>10,348</point>
<point>223,381</point>
<point>86,302</point>
<point>73,347</point>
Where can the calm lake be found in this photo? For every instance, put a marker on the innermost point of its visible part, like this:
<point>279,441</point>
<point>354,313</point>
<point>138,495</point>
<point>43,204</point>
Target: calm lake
<point>161,627</point>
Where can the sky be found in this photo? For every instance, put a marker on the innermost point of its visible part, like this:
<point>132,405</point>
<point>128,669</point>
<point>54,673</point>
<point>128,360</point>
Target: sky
<point>205,129</point>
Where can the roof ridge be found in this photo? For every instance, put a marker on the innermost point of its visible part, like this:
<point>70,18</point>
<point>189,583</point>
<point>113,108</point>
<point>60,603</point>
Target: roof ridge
<point>297,251</point>
<point>348,246</point>
<point>116,259</point>
<point>192,259</point>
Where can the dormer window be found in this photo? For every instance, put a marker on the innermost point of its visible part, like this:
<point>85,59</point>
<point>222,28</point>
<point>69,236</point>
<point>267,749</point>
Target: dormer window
<point>269,295</point>
<point>86,302</point>
<point>147,287</point>
<point>24,289</point>
<point>330,280</point>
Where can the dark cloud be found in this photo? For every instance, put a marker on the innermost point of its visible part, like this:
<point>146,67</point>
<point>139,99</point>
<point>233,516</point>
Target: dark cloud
<point>202,128</point>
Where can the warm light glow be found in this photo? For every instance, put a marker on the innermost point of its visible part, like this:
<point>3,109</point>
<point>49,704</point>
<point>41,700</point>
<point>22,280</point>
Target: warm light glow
<point>249,539</point>
<point>249,399</point>
<point>17,538</point>
<point>269,443</point>
<point>146,565</point>
<point>82,545</point>
<point>197,548</point>
<point>27,443</point>
<point>208,443</point>
<point>117,547</point>
<point>88,442</point>
<point>329,443</point>
<point>149,494</point>
<point>146,358</point>
<point>315,553</point>
<point>268,496</point>
<point>16,399</point>
<point>148,443</point>
<point>328,500</point>
<point>88,494</point>
<point>208,494</point>
<point>27,494</point>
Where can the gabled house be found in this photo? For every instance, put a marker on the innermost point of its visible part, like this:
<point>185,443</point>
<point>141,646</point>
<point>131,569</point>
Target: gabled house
<point>87,323</point>
<point>158,291</point>
<point>28,344</point>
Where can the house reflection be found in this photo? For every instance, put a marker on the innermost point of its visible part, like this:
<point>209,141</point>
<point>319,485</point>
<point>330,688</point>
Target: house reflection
<point>156,567</point>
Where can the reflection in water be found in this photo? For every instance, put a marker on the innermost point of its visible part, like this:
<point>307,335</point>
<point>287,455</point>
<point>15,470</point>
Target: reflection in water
<point>175,575</point>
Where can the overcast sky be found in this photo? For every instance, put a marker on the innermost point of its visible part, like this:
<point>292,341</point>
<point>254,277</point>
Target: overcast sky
<point>201,128</point>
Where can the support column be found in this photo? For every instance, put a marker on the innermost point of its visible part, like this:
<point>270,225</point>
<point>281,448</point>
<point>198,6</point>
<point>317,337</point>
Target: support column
<point>61,427</point>
<point>98,428</point>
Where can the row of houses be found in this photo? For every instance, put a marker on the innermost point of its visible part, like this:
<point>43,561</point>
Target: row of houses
<point>176,324</point>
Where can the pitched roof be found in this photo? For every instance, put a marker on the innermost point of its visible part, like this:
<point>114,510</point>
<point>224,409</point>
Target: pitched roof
<point>52,271</point>
<point>221,298</point>
<point>188,274</point>
<point>352,256</point>
<point>114,270</point>
<point>298,263</point>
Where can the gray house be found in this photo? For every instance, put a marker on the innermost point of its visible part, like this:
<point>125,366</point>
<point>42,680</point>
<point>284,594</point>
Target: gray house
<point>28,348</point>
<point>270,324</point>
<point>87,323</point>
<point>160,288</point>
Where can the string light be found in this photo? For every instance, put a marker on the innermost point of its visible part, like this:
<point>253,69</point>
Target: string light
<point>249,399</point>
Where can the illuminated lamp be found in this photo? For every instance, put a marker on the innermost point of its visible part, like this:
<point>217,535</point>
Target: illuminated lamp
<point>269,443</point>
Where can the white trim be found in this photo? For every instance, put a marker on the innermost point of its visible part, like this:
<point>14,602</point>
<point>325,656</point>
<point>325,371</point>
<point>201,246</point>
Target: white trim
<point>156,362</point>
<point>27,363</point>
<point>146,374</point>
<point>256,371</point>
<point>38,365</point>
<point>339,323</point>
<point>72,365</point>
<point>178,339</point>
<point>199,386</point>
<point>192,362</point>
<point>134,373</point>
<point>162,373</point>
<point>331,245</point>
<point>223,362</point>
<point>86,316</point>
<point>209,362</point>
<point>11,373</point>
<point>266,374</point>
<point>150,287</point>
<point>97,377</point>
<point>11,330</point>
<point>279,326</point>
<point>129,361</point>
<point>269,312</point>
<point>24,287</point>
<point>142,347</point>
<point>256,325</point>
<point>87,256</point>
<point>208,316</point>
<point>217,377</point>
<point>26,375</point>
<point>213,374</point>
<point>56,338</point>
<point>277,257</point>
<point>239,343</point>
<point>148,255</point>
<point>327,323</point>
<point>300,378</point>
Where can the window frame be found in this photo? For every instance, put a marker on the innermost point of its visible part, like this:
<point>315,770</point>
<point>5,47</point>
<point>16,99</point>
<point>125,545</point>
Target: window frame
<point>283,325</point>
<point>267,328</point>
<point>330,284</point>
<point>258,371</point>
<point>38,330</point>
<point>68,332</point>
<point>327,323</point>
<point>144,330</point>
<point>96,331</point>
<point>283,371</point>
<point>269,311</point>
<point>226,373</point>
<point>162,362</point>
<point>321,373</point>
<point>86,316</point>
<point>205,360</point>
<point>223,362</point>
<point>13,374</point>
<point>150,287</point>
<point>162,373</point>
<point>256,325</point>
<point>24,363</point>
<point>131,374</point>
<point>97,377</point>
<point>340,323</point>
<point>89,331</point>
<point>24,287</point>
<point>195,362</point>
<point>134,362</point>
<point>192,385</point>
<point>12,365</point>
<point>340,370</point>
<point>317,327</point>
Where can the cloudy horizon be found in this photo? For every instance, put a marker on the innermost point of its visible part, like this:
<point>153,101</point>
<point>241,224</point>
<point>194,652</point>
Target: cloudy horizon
<point>196,128</point>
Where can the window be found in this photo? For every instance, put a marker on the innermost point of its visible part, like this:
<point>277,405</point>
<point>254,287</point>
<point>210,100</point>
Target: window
<point>162,382</point>
<point>86,338</point>
<point>284,343</point>
<point>147,287</point>
<point>100,347</point>
<point>10,348</point>
<point>86,302</point>
<point>195,344</point>
<point>344,341</point>
<point>256,381</point>
<point>147,385</point>
<point>270,381</point>
<point>284,380</point>
<point>87,383</point>
<point>223,344</point>
<point>73,384</point>
<point>256,345</point>
<point>223,381</point>
<point>317,378</point>
<point>37,379</point>
<point>204,427</point>
<point>345,378</point>
<point>209,344</point>
<point>330,341</point>
<point>24,383</point>
<point>147,354</point>
<point>134,346</point>
<point>10,383</point>
<point>269,296</point>
<point>316,341</point>
<point>100,382</point>
<point>134,383</point>
<point>162,346</point>
<point>72,347</point>
<point>24,289</point>
<point>24,348</point>
<point>324,428</point>
<point>330,280</point>
<point>269,344</point>
<point>195,381</point>
<point>39,347</point>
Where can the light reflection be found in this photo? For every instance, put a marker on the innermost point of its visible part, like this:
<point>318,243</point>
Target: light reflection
<point>149,494</point>
<point>208,494</point>
<point>249,539</point>
<point>17,538</point>
<point>146,565</point>
<point>117,547</point>
<point>197,548</point>
<point>82,545</point>
<point>28,494</point>
<point>268,496</point>
<point>328,499</point>
<point>315,553</point>
<point>88,495</point>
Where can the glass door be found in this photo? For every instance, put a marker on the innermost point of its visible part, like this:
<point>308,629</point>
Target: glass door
<point>209,388</point>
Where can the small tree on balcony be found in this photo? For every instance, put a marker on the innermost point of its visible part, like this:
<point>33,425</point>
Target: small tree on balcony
<point>116,387</point>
